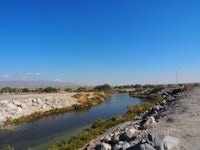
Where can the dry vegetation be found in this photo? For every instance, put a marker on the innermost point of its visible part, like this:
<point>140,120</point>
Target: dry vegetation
<point>91,99</point>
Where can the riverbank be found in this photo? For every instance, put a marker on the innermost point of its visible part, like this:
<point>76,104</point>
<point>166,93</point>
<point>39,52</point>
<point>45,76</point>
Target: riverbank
<point>172,124</point>
<point>100,126</point>
<point>18,108</point>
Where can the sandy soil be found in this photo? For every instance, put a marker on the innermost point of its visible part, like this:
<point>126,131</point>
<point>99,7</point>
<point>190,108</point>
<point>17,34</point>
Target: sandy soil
<point>182,120</point>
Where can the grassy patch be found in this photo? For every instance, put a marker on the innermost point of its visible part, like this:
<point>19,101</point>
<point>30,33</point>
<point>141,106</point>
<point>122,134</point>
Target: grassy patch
<point>91,99</point>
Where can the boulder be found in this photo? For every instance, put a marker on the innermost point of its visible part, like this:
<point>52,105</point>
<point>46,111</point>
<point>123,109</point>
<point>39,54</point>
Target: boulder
<point>11,106</point>
<point>120,142</point>
<point>162,142</point>
<point>146,146</point>
<point>128,134</point>
<point>18,112</point>
<point>34,100</point>
<point>171,142</point>
<point>105,146</point>
<point>107,138</point>
<point>3,102</point>
<point>117,147</point>
<point>39,101</point>
<point>24,106</point>
<point>116,133</point>
<point>125,145</point>
<point>157,108</point>
<point>137,127</point>
<point>43,107</point>
<point>2,117</point>
<point>150,122</point>
<point>157,141</point>
<point>115,138</point>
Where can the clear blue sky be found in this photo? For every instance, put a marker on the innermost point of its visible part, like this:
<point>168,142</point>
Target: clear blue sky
<point>100,41</point>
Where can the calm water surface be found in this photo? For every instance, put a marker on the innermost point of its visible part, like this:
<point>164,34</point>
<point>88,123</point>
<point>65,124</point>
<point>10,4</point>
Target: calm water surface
<point>38,131</point>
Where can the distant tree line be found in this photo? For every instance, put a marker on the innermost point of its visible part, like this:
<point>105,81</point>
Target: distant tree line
<point>27,90</point>
<point>100,88</point>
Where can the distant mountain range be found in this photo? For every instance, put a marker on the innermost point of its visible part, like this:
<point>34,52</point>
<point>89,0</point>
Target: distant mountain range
<point>16,83</point>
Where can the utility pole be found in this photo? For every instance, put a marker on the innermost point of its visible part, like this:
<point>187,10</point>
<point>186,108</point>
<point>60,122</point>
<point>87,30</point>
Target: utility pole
<point>177,78</point>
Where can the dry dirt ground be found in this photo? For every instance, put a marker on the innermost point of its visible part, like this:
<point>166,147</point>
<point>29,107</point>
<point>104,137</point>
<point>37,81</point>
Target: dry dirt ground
<point>182,120</point>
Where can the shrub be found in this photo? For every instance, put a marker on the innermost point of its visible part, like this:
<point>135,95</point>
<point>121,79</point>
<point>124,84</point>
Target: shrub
<point>9,90</point>
<point>103,88</point>
<point>98,123</point>
<point>68,90</point>
<point>81,89</point>
<point>50,89</point>
<point>25,90</point>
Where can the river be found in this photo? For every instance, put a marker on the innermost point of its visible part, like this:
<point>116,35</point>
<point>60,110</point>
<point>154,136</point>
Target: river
<point>32,133</point>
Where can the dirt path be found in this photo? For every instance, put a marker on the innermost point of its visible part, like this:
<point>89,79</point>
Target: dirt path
<point>182,120</point>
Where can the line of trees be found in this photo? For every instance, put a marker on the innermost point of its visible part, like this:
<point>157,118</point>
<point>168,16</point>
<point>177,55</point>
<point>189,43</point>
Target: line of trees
<point>100,88</point>
<point>26,90</point>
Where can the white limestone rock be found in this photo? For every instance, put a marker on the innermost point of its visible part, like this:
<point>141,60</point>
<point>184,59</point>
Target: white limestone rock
<point>150,122</point>
<point>105,146</point>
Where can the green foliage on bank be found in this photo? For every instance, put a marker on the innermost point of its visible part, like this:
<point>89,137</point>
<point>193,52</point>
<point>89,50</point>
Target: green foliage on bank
<point>10,90</point>
<point>103,88</point>
<point>151,96</point>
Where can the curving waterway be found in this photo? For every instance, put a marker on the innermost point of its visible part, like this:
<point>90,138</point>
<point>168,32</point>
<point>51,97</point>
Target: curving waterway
<point>33,133</point>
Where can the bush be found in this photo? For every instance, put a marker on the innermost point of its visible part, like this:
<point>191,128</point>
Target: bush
<point>25,90</point>
<point>103,88</point>
<point>9,90</point>
<point>50,89</point>
<point>97,124</point>
<point>68,90</point>
<point>81,89</point>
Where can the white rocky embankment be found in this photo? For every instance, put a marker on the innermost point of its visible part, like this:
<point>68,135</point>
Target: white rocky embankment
<point>16,106</point>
